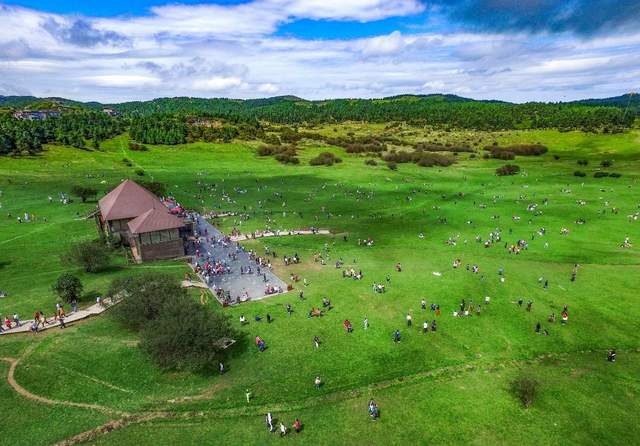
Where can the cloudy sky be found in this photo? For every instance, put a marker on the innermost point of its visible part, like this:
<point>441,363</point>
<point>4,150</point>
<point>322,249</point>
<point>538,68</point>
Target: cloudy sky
<point>517,50</point>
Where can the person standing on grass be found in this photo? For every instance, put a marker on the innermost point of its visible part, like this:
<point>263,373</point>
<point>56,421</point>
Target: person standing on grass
<point>425,327</point>
<point>366,322</point>
<point>316,341</point>
<point>409,320</point>
<point>317,382</point>
<point>247,395</point>
<point>283,429</point>
<point>423,304</point>
<point>396,336</point>
<point>269,421</point>
<point>221,367</point>
<point>297,426</point>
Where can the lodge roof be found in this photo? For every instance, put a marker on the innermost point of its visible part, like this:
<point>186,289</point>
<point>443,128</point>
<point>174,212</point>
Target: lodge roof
<point>128,200</point>
<point>155,219</point>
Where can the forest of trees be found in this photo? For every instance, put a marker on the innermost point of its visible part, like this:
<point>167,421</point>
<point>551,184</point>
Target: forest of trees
<point>78,129</point>
<point>183,120</point>
<point>437,112</point>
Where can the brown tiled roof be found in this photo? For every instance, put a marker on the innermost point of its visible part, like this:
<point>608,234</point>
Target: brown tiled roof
<point>128,200</point>
<point>156,219</point>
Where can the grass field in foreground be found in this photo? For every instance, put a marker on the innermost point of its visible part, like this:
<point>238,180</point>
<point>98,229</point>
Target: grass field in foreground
<point>98,362</point>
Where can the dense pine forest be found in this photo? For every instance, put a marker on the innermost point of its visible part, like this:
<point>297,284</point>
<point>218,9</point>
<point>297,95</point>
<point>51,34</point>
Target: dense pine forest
<point>181,120</point>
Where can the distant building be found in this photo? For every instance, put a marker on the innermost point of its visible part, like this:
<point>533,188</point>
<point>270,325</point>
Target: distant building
<point>36,115</point>
<point>110,112</point>
<point>143,222</point>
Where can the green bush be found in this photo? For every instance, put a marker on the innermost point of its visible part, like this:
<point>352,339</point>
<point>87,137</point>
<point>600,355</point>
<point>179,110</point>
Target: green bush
<point>519,149</point>
<point>606,163</point>
<point>156,187</point>
<point>601,174</point>
<point>583,162</point>
<point>392,165</point>
<point>68,287</point>
<point>185,336</point>
<point>525,389</point>
<point>92,256</point>
<point>175,331</point>
<point>504,155</point>
<point>139,172</point>
<point>615,175</point>
<point>508,169</point>
<point>579,173</point>
<point>143,296</point>
<point>137,147</point>
<point>326,159</point>
<point>371,162</point>
<point>84,192</point>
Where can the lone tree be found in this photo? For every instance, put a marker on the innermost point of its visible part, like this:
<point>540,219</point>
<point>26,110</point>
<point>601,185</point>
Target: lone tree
<point>68,287</point>
<point>92,256</point>
<point>84,192</point>
<point>175,331</point>
<point>525,389</point>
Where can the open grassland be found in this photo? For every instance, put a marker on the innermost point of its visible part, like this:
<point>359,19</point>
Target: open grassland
<point>447,387</point>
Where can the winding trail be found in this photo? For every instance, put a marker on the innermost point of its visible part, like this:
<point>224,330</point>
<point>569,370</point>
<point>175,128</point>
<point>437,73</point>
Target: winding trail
<point>126,419</point>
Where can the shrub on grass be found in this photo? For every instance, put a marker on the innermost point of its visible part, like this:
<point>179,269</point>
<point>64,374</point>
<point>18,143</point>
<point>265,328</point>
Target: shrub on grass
<point>84,192</point>
<point>601,174</point>
<point>139,172</point>
<point>583,162</point>
<point>158,188</point>
<point>143,296</point>
<point>579,173</point>
<point>525,389</point>
<point>185,336</point>
<point>136,147</point>
<point>504,155</point>
<point>392,165</point>
<point>92,256</point>
<point>326,159</point>
<point>615,175</point>
<point>508,169</point>
<point>606,163</point>
<point>177,332</point>
<point>68,287</point>
<point>284,153</point>
<point>371,162</point>
<point>519,149</point>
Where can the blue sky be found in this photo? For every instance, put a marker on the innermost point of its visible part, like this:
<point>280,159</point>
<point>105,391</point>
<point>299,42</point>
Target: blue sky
<point>516,50</point>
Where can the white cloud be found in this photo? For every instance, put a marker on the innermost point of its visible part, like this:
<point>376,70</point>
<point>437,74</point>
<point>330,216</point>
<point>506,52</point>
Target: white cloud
<point>268,88</point>
<point>121,80</point>
<point>216,83</point>
<point>233,51</point>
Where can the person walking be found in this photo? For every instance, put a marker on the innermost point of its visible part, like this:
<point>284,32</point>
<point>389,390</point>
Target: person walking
<point>221,367</point>
<point>269,421</point>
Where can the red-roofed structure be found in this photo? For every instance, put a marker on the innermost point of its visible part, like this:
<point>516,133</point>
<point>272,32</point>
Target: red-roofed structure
<point>141,220</point>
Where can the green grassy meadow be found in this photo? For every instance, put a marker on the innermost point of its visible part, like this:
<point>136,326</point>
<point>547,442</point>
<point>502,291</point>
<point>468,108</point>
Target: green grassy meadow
<point>447,387</point>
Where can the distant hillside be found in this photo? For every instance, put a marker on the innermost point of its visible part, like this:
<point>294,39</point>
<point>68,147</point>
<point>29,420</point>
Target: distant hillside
<point>441,110</point>
<point>630,101</point>
<point>34,103</point>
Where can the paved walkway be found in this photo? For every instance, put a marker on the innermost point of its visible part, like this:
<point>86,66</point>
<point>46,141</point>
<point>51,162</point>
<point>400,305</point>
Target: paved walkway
<point>256,235</point>
<point>93,310</point>
<point>236,284</point>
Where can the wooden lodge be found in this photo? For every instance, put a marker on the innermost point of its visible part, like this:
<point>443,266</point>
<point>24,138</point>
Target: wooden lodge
<point>140,220</point>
